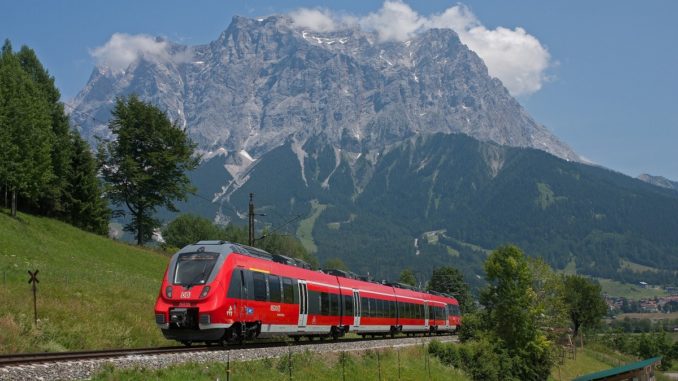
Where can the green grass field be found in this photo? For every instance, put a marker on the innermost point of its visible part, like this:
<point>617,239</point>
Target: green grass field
<point>93,292</point>
<point>307,366</point>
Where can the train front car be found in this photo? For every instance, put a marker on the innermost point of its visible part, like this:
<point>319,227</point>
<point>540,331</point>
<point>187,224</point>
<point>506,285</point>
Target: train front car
<point>444,314</point>
<point>190,306</point>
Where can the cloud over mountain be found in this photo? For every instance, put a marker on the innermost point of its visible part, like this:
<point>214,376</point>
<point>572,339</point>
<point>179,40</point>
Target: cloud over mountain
<point>514,56</point>
<point>123,49</point>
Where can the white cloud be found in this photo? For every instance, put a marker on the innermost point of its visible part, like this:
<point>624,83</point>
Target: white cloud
<point>314,19</point>
<point>395,21</point>
<point>514,56</point>
<point>517,58</point>
<point>123,49</point>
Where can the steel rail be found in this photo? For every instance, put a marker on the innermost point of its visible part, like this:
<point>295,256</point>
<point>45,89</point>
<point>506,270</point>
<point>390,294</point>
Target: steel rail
<point>21,359</point>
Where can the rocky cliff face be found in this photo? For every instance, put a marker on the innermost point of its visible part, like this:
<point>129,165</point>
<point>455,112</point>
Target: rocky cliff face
<point>264,82</point>
<point>659,181</point>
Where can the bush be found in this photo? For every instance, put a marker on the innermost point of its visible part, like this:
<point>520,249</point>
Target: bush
<point>470,327</point>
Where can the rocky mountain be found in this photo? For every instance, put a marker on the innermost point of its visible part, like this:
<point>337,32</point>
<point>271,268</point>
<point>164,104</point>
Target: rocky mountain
<point>264,81</point>
<point>659,181</point>
<point>387,155</point>
<point>448,199</point>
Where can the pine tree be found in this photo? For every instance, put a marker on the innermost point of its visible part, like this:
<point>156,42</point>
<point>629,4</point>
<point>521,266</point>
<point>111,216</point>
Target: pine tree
<point>84,201</point>
<point>26,135</point>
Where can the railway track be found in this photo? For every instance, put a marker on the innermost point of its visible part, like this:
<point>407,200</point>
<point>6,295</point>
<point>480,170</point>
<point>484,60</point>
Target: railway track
<point>57,357</point>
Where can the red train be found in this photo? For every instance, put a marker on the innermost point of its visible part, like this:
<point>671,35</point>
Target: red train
<point>219,292</point>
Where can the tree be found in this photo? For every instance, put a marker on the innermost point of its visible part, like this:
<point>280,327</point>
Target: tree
<point>189,228</point>
<point>335,264</point>
<point>25,133</point>
<point>549,291</point>
<point>85,206</point>
<point>407,277</point>
<point>512,312</point>
<point>450,280</point>
<point>145,167</point>
<point>52,200</point>
<point>584,302</point>
<point>286,245</point>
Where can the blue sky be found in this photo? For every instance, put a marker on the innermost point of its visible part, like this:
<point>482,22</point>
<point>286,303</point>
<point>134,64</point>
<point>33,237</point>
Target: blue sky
<point>611,87</point>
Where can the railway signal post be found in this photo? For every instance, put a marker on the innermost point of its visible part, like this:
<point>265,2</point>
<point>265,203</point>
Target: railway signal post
<point>34,285</point>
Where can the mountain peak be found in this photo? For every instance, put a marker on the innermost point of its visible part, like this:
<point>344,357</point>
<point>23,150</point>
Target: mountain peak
<point>266,80</point>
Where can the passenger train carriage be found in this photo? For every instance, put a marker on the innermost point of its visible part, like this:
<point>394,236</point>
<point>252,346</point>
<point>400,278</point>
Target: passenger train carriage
<point>216,291</point>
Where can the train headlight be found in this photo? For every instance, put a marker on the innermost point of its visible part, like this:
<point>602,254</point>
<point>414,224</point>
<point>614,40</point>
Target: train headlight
<point>205,291</point>
<point>168,292</point>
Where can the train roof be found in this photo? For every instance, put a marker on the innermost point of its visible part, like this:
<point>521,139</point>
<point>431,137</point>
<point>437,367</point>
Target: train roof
<point>225,247</point>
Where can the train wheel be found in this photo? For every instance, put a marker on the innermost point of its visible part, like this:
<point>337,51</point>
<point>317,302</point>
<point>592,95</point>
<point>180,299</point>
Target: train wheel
<point>335,333</point>
<point>187,343</point>
<point>296,338</point>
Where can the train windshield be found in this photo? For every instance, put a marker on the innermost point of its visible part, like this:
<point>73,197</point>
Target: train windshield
<point>194,268</point>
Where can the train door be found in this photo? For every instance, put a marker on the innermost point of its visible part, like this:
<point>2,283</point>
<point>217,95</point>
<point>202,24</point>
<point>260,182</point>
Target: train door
<point>303,305</point>
<point>446,312</point>
<point>237,291</point>
<point>356,309</point>
<point>426,314</point>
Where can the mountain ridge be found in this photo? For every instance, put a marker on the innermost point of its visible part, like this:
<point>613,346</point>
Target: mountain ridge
<point>445,199</point>
<point>265,80</point>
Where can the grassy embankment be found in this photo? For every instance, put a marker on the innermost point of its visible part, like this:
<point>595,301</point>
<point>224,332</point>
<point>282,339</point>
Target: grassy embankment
<point>357,366</point>
<point>591,359</point>
<point>93,292</point>
<point>307,366</point>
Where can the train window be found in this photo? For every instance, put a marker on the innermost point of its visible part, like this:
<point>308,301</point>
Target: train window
<point>288,291</point>
<point>194,268</point>
<point>382,307</point>
<point>235,287</point>
<point>295,291</point>
<point>334,305</point>
<point>324,303</point>
<point>313,303</point>
<point>274,291</point>
<point>365,304</point>
<point>348,305</point>
<point>259,286</point>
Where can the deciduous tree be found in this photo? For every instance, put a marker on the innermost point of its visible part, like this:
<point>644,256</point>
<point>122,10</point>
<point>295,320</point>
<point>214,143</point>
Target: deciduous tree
<point>407,277</point>
<point>336,264</point>
<point>145,166</point>
<point>584,301</point>
<point>189,228</point>
<point>511,313</point>
<point>450,280</point>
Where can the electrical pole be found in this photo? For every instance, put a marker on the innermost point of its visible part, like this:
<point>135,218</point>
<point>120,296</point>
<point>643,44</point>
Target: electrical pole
<point>251,221</point>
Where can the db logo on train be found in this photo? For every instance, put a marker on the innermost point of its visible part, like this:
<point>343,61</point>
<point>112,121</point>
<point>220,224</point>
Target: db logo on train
<point>185,294</point>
